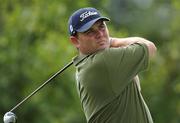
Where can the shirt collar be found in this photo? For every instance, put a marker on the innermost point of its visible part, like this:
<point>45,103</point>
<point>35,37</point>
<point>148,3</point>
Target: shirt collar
<point>78,59</point>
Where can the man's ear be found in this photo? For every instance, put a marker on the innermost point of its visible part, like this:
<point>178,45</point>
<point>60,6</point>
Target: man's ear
<point>74,41</point>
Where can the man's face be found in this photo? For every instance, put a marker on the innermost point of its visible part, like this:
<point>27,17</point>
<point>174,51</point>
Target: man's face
<point>94,39</point>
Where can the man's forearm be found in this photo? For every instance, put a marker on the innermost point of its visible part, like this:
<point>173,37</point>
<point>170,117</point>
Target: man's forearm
<point>121,42</point>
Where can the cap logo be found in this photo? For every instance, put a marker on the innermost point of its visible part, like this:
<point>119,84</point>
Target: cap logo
<point>87,14</point>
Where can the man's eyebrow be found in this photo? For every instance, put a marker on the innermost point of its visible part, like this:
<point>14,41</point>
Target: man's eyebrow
<point>88,30</point>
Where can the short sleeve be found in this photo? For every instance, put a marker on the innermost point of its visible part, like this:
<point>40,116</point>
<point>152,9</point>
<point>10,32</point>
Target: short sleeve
<point>124,63</point>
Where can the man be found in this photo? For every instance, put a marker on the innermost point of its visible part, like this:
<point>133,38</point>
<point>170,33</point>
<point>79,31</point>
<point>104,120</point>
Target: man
<point>107,81</point>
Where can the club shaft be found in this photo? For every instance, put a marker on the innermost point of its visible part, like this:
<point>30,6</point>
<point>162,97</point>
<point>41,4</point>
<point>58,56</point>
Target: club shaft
<point>41,86</point>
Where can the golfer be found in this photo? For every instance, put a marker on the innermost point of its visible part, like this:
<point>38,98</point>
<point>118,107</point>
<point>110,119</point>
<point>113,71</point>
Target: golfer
<point>107,81</point>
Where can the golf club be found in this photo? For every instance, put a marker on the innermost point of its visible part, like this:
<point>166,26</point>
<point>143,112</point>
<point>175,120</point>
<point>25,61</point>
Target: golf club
<point>10,117</point>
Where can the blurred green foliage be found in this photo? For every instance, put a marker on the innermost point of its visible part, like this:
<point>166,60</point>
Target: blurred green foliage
<point>34,45</point>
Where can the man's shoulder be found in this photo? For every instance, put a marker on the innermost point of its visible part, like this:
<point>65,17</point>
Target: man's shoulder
<point>79,58</point>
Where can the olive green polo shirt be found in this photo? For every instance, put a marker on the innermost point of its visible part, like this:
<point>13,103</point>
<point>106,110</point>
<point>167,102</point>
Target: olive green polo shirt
<point>107,87</point>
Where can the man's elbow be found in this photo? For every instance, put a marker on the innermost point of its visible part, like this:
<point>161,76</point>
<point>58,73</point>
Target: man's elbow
<point>152,49</point>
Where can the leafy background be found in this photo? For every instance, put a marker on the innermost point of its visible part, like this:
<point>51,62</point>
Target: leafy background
<point>34,44</point>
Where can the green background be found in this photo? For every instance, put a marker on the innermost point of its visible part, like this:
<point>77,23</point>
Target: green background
<point>34,44</point>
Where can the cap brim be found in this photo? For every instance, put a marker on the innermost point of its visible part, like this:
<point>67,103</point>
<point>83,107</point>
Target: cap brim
<point>89,24</point>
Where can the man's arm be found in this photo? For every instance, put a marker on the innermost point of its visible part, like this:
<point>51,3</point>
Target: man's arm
<point>120,42</point>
